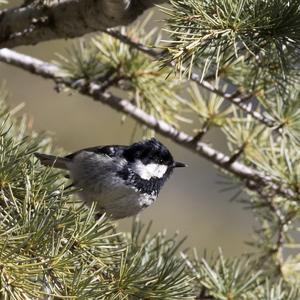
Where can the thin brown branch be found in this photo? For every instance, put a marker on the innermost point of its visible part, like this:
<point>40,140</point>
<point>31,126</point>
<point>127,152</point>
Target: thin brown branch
<point>153,52</point>
<point>252,177</point>
<point>236,155</point>
<point>201,132</point>
<point>235,98</point>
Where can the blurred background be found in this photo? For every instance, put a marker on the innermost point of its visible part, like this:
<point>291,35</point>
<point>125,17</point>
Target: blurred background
<point>192,202</point>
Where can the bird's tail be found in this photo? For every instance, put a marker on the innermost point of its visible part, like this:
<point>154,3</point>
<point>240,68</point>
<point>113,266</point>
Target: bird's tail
<point>52,160</point>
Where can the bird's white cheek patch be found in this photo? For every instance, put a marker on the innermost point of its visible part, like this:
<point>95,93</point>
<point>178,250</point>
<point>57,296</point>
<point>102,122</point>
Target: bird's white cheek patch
<point>150,170</point>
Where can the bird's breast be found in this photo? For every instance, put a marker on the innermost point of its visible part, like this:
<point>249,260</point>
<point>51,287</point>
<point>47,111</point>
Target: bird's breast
<point>119,202</point>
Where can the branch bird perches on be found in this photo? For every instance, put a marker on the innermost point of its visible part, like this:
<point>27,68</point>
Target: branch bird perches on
<point>252,178</point>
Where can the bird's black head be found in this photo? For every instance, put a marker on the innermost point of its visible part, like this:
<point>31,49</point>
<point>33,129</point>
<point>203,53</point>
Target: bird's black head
<point>150,158</point>
<point>150,152</point>
<point>150,163</point>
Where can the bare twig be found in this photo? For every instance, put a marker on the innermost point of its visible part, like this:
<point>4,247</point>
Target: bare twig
<point>236,155</point>
<point>201,132</point>
<point>252,177</point>
<point>235,98</point>
<point>153,52</point>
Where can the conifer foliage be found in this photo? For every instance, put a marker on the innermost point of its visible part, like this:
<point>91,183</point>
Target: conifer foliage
<point>53,248</point>
<point>231,66</point>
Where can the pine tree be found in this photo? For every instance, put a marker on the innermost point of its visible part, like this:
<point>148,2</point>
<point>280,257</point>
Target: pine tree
<point>237,62</point>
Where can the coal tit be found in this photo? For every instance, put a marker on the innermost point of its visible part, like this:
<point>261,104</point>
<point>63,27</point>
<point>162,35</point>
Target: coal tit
<point>122,180</point>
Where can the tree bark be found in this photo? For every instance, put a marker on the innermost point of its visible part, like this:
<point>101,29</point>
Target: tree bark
<point>33,24</point>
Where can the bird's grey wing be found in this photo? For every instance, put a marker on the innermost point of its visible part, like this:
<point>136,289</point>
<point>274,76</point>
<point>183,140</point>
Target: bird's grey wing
<point>63,162</point>
<point>110,150</point>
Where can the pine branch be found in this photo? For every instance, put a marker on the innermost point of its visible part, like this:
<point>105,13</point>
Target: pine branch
<point>252,178</point>
<point>261,34</point>
<point>235,98</point>
<point>52,247</point>
<point>30,25</point>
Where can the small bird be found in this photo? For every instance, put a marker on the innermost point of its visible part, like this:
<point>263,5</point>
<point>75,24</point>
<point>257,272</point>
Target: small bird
<point>121,180</point>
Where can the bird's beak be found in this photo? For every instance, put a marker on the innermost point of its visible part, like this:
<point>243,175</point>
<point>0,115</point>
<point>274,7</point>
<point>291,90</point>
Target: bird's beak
<point>178,164</point>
